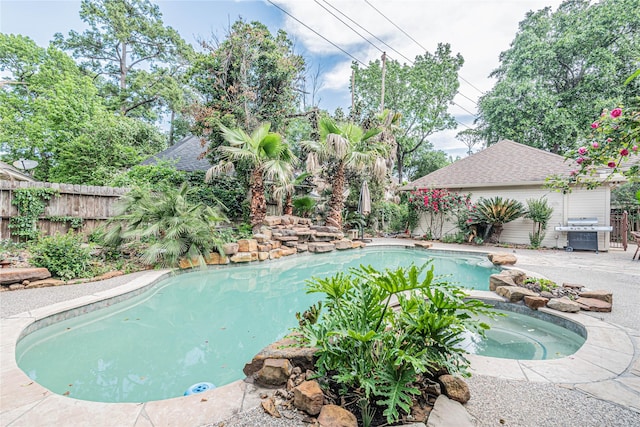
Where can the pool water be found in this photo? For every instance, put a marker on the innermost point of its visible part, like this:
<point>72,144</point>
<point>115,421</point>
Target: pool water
<point>519,336</point>
<point>201,326</point>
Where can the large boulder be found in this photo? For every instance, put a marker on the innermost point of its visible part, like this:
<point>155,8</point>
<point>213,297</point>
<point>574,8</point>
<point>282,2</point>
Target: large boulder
<point>501,258</point>
<point>514,293</point>
<point>600,294</point>
<point>535,303</point>
<point>19,275</point>
<point>593,304</point>
<point>285,348</point>
<point>336,416</point>
<point>455,388</point>
<point>507,278</point>
<point>564,304</point>
<point>319,247</point>
<point>274,372</point>
<point>308,397</point>
<point>449,413</point>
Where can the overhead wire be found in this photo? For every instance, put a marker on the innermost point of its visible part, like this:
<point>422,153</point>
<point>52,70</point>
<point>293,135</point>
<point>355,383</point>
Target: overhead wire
<point>348,26</point>
<point>367,31</point>
<point>415,41</point>
<point>317,33</point>
<point>367,40</point>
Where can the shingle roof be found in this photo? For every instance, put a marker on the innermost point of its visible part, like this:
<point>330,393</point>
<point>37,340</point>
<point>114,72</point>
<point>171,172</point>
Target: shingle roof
<point>185,153</point>
<point>505,163</point>
<point>9,172</point>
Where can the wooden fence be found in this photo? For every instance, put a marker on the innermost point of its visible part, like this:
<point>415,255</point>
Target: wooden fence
<point>91,203</point>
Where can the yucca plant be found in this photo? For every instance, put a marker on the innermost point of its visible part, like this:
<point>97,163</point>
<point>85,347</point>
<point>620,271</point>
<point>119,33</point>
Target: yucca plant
<point>493,213</point>
<point>174,227</point>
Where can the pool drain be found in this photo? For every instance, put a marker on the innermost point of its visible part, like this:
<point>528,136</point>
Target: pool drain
<point>199,388</point>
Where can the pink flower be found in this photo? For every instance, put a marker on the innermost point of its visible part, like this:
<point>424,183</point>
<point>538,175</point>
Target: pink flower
<point>595,145</point>
<point>573,172</point>
<point>609,139</point>
<point>616,112</point>
<point>579,160</point>
<point>582,151</point>
<point>595,125</point>
<point>611,164</point>
<point>624,152</point>
<point>634,148</point>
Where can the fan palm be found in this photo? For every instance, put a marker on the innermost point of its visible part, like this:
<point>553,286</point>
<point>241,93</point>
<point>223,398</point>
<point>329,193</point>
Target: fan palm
<point>173,225</point>
<point>344,146</point>
<point>268,156</point>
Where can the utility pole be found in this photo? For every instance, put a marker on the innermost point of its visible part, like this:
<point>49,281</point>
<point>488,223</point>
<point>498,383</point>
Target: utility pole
<point>384,70</point>
<point>353,89</point>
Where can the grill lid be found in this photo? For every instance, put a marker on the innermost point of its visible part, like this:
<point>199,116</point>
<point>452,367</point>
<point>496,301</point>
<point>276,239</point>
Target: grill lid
<point>582,221</point>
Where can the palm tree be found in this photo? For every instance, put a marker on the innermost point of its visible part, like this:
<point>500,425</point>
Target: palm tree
<point>286,190</point>
<point>344,146</point>
<point>174,226</point>
<point>268,156</point>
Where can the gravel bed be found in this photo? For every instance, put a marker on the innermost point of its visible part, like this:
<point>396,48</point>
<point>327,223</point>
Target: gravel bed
<point>14,302</point>
<point>258,417</point>
<point>499,402</point>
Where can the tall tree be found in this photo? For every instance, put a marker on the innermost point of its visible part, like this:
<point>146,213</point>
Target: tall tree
<point>137,58</point>
<point>45,101</point>
<point>249,78</point>
<point>561,70</point>
<point>470,138</point>
<point>344,146</point>
<point>267,156</point>
<point>106,146</point>
<point>421,93</point>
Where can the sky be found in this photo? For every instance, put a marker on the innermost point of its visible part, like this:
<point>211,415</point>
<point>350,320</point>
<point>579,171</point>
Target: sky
<point>477,29</point>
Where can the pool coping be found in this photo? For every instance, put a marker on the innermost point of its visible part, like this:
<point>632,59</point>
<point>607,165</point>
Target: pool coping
<point>607,353</point>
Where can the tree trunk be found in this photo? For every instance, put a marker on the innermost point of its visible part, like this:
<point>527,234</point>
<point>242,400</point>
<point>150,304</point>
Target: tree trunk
<point>336,203</point>
<point>400,162</point>
<point>496,231</point>
<point>288,204</point>
<point>123,77</point>
<point>258,205</point>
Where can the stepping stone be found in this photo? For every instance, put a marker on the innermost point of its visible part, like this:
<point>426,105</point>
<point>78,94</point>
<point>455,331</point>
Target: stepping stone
<point>593,304</point>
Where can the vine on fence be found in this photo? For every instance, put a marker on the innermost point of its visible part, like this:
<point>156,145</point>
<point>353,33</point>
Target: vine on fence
<point>30,203</point>
<point>75,222</point>
<point>439,205</point>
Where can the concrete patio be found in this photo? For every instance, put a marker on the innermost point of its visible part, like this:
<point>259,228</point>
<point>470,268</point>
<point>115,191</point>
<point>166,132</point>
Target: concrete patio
<point>607,367</point>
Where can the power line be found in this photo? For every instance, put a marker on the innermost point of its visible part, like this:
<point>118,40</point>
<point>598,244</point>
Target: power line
<point>348,26</point>
<point>367,31</point>
<point>415,41</point>
<point>460,106</point>
<point>317,33</point>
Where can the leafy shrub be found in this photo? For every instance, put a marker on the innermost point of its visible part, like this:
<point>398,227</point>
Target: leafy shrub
<point>62,254</point>
<point>492,214</point>
<point>303,206</point>
<point>367,348</point>
<point>540,213</point>
<point>392,217</point>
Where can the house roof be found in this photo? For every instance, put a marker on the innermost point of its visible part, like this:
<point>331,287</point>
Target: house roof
<point>506,163</point>
<point>9,172</point>
<point>185,153</point>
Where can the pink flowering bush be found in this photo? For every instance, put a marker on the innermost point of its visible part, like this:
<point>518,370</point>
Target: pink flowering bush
<point>614,141</point>
<point>439,205</point>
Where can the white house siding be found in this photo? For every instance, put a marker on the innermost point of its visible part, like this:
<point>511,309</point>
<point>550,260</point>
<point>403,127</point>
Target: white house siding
<point>579,203</point>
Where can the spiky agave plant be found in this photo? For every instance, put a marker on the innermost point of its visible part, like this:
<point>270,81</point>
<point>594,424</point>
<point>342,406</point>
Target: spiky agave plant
<point>494,213</point>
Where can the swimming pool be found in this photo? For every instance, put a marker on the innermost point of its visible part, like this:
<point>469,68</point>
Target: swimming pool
<point>201,326</point>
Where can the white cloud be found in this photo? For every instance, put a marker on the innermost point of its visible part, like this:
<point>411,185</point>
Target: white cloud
<point>479,30</point>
